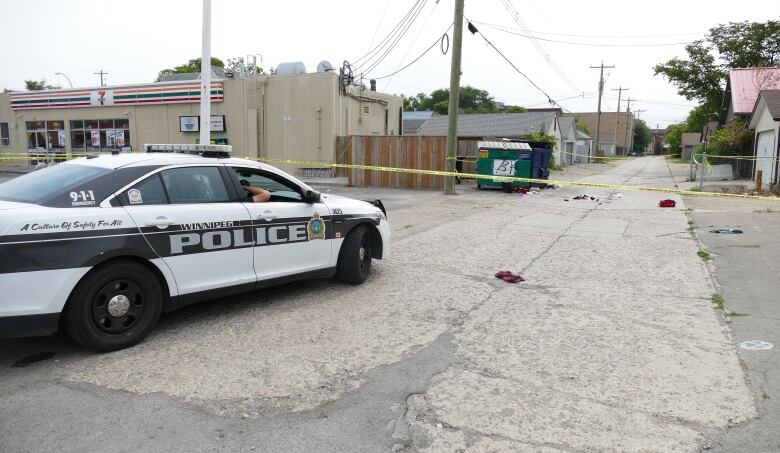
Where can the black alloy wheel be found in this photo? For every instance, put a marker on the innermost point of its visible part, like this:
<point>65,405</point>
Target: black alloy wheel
<point>114,306</point>
<point>117,306</point>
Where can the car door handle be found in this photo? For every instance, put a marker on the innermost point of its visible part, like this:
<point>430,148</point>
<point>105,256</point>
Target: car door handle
<point>160,222</point>
<point>267,215</point>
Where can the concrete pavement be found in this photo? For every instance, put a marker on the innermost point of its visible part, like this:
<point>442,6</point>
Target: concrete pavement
<point>746,267</point>
<point>610,345</point>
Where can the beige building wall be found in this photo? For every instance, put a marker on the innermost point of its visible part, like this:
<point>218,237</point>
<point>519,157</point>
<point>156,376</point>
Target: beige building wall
<point>607,130</point>
<point>296,117</point>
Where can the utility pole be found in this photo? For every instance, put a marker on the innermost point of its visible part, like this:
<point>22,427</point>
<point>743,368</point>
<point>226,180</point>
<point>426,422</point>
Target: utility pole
<point>101,74</point>
<point>633,131</point>
<point>598,114</point>
<point>628,118</point>
<point>452,111</point>
<point>620,91</point>
<point>205,76</point>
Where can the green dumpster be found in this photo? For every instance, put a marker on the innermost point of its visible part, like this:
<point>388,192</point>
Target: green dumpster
<point>500,160</point>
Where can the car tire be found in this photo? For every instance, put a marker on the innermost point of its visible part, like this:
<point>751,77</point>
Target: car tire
<point>354,262</point>
<point>114,306</point>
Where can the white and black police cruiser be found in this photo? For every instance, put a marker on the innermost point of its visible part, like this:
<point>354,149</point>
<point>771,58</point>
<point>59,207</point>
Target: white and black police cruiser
<point>101,246</point>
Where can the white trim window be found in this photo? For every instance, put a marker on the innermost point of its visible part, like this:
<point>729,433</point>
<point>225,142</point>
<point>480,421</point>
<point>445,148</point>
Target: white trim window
<point>99,135</point>
<point>45,135</point>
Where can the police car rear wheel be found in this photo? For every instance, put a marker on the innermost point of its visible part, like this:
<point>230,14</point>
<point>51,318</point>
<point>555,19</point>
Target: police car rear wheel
<point>114,306</point>
<point>354,263</point>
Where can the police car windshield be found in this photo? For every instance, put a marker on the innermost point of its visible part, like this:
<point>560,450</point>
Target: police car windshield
<point>41,185</point>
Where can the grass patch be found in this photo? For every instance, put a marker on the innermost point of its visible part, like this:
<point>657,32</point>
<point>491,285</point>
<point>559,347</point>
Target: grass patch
<point>717,301</point>
<point>703,255</point>
<point>694,189</point>
<point>735,313</point>
<point>765,396</point>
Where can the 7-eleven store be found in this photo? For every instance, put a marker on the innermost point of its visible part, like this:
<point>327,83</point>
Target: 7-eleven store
<point>296,117</point>
<point>116,118</point>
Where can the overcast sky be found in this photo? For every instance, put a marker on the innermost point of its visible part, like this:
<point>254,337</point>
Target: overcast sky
<point>136,39</point>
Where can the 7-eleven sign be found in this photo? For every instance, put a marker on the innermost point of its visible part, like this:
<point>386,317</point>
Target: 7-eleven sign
<point>99,98</point>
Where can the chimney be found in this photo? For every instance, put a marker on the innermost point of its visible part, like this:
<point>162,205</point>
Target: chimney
<point>373,84</point>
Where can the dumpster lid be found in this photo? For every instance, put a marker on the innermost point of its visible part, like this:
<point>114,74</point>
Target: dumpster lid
<point>503,145</point>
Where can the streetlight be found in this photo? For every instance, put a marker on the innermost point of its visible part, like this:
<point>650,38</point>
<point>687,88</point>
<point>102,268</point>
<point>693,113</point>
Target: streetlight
<point>69,82</point>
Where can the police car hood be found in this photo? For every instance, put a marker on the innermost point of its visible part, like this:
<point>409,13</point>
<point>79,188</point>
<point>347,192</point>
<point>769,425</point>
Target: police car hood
<point>4,205</point>
<point>350,205</point>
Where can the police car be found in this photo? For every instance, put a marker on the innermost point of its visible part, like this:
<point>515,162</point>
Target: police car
<point>101,246</point>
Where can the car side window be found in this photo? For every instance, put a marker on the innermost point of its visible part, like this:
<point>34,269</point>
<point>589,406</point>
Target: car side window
<point>280,189</point>
<point>150,191</point>
<point>195,185</point>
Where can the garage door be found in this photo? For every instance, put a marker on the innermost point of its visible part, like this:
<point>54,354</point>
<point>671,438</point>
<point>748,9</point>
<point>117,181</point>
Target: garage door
<point>765,153</point>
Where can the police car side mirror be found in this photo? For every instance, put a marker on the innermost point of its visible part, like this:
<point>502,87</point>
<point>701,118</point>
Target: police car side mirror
<point>312,196</point>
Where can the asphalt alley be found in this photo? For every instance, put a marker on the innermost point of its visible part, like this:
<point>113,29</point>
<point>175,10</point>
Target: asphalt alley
<point>610,344</point>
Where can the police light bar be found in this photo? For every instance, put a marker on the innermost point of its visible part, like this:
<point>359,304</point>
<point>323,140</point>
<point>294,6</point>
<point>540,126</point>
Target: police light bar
<point>201,150</point>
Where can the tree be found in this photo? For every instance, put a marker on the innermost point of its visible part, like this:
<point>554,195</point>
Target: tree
<point>235,64</point>
<point>731,139</point>
<point>580,126</point>
<point>642,135</point>
<point>189,67</point>
<point>470,99</point>
<point>701,77</point>
<point>514,109</point>
<point>38,85</point>
<point>540,137</point>
<point>673,137</point>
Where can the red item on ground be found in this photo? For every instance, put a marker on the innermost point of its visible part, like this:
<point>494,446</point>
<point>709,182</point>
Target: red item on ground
<point>509,277</point>
<point>522,190</point>
<point>666,204</point>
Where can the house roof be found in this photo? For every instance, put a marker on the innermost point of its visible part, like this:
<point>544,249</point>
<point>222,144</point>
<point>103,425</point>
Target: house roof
<point>583,136</point>
<point>691,139</point>
<point>746,83</point>
<point>772,99</point>
<point>490,124</point>
<point>568,128</point>
<point>413,120</point>
<point>769,99</point>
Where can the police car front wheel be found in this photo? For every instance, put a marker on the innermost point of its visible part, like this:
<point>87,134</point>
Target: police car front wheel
<point>114,306</point>
<point>355,255</point>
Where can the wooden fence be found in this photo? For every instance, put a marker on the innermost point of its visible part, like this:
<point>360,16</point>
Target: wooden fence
<point>411,151</point>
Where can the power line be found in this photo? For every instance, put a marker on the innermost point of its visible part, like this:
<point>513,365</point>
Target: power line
<point>595,36</point>
<point>519,21</point>
<point>438,40</point>
<point>473,30</point>
<point>422,27</point>
<point>379,25</point>
<point>389,36</point>
<point>389,49</point>
<point>525,35</point>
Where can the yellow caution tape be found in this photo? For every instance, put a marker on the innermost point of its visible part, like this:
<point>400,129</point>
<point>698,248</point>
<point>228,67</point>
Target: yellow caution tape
<point>463,176</point>
<point>511,179</point>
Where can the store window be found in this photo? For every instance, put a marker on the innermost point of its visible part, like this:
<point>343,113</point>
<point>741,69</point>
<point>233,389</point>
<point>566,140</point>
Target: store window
<point>5,135</point>
<point>45,135</point>
<point>99,135</point>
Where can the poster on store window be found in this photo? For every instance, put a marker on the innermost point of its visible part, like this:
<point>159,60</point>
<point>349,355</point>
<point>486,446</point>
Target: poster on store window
<point>110,138</point>
<point>119,138</point>
<point>61,139</point>
<point>95,137</point>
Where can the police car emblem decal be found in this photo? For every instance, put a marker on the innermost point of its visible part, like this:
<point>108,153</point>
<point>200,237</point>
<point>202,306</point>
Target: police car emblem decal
<point>134,196</point>
<point>316,227</point>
